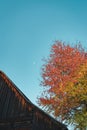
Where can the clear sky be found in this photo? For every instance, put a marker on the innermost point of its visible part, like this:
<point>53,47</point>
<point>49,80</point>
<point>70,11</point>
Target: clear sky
<point>28,28</point>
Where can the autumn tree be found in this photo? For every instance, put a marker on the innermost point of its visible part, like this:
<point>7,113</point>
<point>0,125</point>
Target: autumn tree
<point>64,77</point>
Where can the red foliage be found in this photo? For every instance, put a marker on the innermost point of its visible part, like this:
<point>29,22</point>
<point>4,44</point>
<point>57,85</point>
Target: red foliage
<point>61,67</point>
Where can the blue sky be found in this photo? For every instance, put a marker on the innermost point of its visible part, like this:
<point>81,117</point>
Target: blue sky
<point>28,28</point>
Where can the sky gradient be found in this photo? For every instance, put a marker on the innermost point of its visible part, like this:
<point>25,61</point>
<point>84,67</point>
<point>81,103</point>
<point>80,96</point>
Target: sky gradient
<point>28,28</point>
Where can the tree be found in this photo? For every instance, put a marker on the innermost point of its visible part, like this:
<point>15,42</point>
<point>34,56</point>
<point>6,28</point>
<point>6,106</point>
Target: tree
<point>64,77</point>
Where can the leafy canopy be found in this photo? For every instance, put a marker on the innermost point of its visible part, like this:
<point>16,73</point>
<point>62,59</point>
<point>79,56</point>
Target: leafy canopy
<point>64,76</point>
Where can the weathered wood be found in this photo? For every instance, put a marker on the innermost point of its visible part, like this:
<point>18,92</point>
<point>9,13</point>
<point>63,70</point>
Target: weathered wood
<point>18,113</point>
